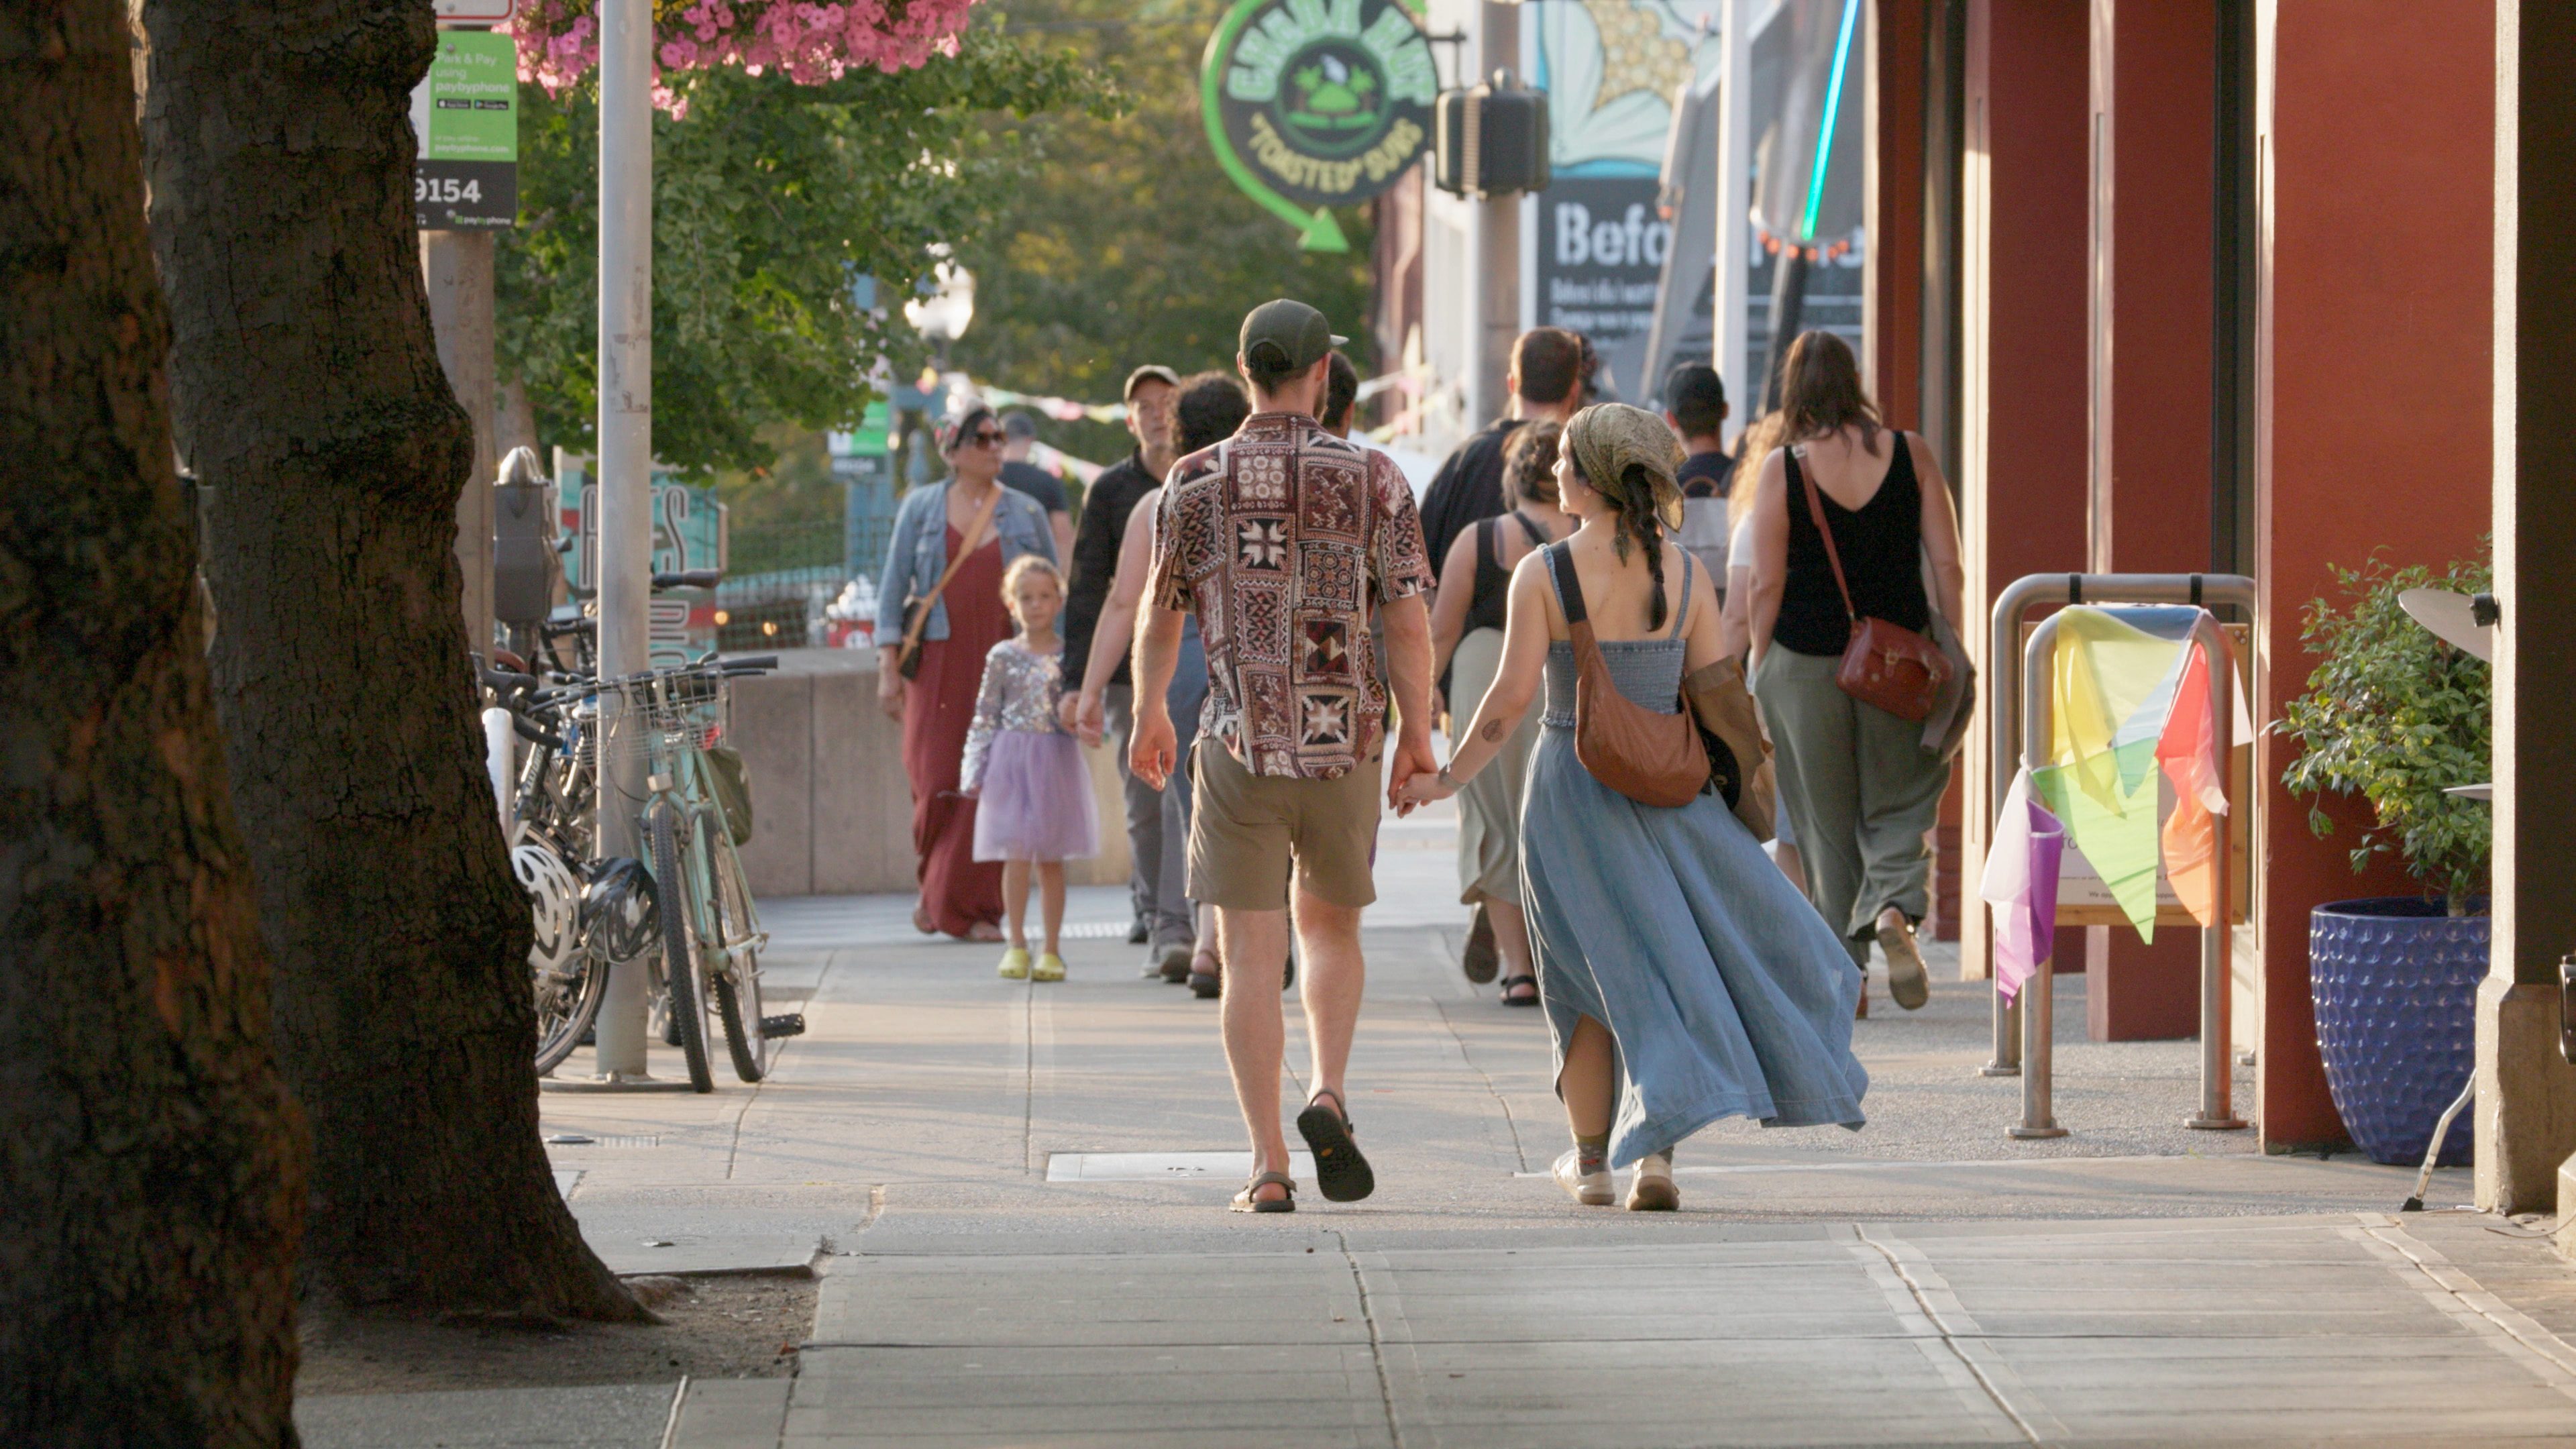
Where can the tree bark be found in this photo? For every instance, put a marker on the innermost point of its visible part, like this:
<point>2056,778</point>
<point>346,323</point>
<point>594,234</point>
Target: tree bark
<point>151,1164</point>
<point>307,388</point>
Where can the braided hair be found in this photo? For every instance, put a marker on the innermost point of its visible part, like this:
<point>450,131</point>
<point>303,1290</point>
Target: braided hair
<point>1632,492</point>
<point>1634,497</point>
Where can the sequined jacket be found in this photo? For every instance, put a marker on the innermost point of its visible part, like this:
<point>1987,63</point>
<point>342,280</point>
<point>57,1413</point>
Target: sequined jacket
<point>1019,693</point>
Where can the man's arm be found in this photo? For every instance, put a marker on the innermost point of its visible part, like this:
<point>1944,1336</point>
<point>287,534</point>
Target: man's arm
<point>1095,560</point>
<point>1060,523</point>
<point>1154,747</point>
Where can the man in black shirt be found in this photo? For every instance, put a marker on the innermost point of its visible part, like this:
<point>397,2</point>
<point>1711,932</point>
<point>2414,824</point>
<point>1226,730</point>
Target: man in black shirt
<point>1550,367</point>
<point>1151,391</point>
<point>1019,434</point>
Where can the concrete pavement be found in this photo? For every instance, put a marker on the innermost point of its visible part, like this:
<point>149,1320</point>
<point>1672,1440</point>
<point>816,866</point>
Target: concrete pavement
<point>1014,1193</point>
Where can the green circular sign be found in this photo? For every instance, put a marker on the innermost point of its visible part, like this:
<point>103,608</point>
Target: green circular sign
<point>1316,103</point>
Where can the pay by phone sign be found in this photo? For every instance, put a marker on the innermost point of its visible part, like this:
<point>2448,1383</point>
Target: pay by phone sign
<point>466,116</point>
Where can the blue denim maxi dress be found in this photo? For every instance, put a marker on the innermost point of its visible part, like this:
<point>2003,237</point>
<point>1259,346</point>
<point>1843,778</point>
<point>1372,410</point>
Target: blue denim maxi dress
<point>1728,995</point>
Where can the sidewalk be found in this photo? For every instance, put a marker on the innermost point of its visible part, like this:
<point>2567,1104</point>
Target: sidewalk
<point>1014,1194</point>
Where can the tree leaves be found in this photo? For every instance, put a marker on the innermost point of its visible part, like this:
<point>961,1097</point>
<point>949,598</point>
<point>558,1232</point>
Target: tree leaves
<point>1128,244</point>
<point>771,200</point>
<point>2396,716</point>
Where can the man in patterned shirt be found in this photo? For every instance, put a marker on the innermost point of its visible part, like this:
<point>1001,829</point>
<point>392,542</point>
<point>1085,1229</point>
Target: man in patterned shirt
<point>1284,540</point>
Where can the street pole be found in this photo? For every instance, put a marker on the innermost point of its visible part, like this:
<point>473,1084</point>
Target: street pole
<point>457,266</point>
<point>625,453</point>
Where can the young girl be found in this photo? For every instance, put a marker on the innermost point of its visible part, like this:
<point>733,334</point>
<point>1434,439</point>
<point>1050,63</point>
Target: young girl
<point>1028,772</point>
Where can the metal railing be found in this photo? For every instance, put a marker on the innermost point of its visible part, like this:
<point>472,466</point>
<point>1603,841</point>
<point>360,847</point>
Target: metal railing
<point>2023,721</point>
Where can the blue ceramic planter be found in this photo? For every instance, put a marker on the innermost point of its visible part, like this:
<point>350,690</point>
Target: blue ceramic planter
<point>2396,983</point>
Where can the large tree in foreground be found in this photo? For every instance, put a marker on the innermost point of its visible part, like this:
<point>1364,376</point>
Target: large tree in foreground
<point>150,1168</point>
<point>309,399</point>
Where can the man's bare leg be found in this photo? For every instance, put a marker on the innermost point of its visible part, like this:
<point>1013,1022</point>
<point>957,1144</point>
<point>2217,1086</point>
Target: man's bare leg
<point>1256,958</point>
<point>1330,983</point>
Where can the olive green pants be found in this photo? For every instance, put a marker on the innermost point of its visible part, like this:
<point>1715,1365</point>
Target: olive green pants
<point>1859,788</point>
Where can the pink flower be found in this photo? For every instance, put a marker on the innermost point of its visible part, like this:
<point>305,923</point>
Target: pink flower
<point>810,42</point>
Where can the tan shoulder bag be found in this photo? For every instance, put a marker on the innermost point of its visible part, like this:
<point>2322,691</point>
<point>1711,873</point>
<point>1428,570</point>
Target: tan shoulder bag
<point>1653,759</point>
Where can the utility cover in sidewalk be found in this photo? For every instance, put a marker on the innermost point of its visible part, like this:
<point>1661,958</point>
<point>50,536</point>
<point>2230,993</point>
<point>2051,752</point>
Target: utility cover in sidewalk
<point>1228,1167</point>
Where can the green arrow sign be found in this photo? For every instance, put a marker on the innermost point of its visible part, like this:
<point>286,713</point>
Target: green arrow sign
<point>1313,104</point>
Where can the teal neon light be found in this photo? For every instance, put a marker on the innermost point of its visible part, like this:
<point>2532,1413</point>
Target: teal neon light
<point>1825,129</point>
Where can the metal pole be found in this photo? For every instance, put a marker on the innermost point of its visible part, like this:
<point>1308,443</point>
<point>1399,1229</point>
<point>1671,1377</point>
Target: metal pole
<point>2004,758</point>
<point>2038,995</point>
<point>2217,985</point>
<point>625,452</point>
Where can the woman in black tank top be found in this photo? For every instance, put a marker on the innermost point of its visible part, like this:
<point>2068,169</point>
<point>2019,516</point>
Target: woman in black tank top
<point>1467,648</point>
<point>1858,783</point>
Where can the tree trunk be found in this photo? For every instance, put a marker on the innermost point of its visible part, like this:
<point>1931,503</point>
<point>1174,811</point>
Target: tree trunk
<point>151,1164</point>
<point>310,401</point>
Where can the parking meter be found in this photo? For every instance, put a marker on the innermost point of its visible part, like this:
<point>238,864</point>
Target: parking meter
<point>524,566</point>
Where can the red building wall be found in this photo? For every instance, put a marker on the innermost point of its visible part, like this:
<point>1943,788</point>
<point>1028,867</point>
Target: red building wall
<point>2379,170</point>
<point>2154,82</point>
<point>2023,416</point>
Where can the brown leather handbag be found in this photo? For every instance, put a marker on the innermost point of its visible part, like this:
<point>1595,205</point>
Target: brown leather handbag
<point>1739,751</point>
<point>1653,759</point>
<point>916,610</point>
<point>1884,664</point>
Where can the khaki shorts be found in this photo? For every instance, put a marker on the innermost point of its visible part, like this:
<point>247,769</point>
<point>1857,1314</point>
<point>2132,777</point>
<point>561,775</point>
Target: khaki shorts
<point>1247,830</point>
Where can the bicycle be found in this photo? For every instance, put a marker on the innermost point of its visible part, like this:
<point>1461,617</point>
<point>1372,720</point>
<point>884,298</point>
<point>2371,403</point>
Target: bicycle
<point>710,930</point>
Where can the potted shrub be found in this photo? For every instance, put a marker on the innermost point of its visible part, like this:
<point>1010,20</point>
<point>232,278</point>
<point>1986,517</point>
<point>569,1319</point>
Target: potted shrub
<point>2395,716</point>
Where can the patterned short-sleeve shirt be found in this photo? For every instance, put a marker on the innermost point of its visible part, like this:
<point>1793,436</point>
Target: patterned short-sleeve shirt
<point>1283,539</point>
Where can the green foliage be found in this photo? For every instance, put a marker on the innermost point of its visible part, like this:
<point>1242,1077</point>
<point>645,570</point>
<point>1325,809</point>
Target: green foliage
<point>769,201</point>
<point>1128,244</point>
<point>2396,716</point>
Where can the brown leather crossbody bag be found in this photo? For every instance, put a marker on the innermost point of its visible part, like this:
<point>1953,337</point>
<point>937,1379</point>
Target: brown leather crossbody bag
<point>916,610</point>
<point>1884,664</point>
<point>1653,759</point>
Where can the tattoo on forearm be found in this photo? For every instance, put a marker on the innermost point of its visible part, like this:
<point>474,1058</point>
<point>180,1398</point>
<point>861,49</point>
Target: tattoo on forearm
<point>1493,729</point>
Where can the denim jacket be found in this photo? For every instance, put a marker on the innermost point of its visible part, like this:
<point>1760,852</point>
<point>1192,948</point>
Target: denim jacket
<point>918,554</point>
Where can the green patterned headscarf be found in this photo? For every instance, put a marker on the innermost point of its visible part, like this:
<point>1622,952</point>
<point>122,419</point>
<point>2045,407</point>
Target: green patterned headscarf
<point>1607,438</point>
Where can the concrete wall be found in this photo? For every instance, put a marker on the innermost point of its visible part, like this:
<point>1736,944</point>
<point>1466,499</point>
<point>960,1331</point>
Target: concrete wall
<point>833,808</point>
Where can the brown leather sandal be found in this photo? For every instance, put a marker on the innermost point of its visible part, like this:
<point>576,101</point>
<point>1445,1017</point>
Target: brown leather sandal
<point>1250,1201</point>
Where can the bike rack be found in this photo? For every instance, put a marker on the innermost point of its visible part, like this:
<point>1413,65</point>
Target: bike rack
<point>2023,717</point>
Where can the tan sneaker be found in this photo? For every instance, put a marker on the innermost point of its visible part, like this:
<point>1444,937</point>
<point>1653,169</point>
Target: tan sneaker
<point>1592,1189</point>
<point>1651,1190</point>
<point>1906,979</point>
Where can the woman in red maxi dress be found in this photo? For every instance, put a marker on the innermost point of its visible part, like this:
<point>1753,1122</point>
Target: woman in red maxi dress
<point>959,896</point>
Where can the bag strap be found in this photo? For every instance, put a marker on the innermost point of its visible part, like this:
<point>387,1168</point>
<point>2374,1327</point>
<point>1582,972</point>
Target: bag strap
<point>1816,511</point>
<point>1569,589</point>
<point>1681,616</point>
<point>973,540</point>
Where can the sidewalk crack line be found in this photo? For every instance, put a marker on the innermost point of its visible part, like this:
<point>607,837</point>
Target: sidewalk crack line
<point>1377,1345</point>
<point>1940,1308</point>
<point>1519,1149</point>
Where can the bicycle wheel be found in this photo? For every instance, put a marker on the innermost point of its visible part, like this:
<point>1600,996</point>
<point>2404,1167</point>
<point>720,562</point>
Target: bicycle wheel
<point>567,977</point>
<point>738,983</point>
<point>683,970</point>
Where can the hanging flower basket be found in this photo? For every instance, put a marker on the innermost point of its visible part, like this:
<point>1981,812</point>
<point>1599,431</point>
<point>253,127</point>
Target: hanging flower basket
<point>810,43</point>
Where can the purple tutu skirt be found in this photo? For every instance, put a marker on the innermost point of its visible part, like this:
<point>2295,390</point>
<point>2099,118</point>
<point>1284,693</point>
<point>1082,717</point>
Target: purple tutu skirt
<point>1036,801</point>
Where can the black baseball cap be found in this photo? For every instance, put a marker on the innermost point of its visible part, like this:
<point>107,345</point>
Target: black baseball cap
<point>1150,372</point>
<point>1296,331</point>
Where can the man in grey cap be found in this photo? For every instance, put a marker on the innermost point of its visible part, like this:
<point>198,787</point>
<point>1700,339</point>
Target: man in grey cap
<point>1285,540</point>
<point>1151,392</point>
